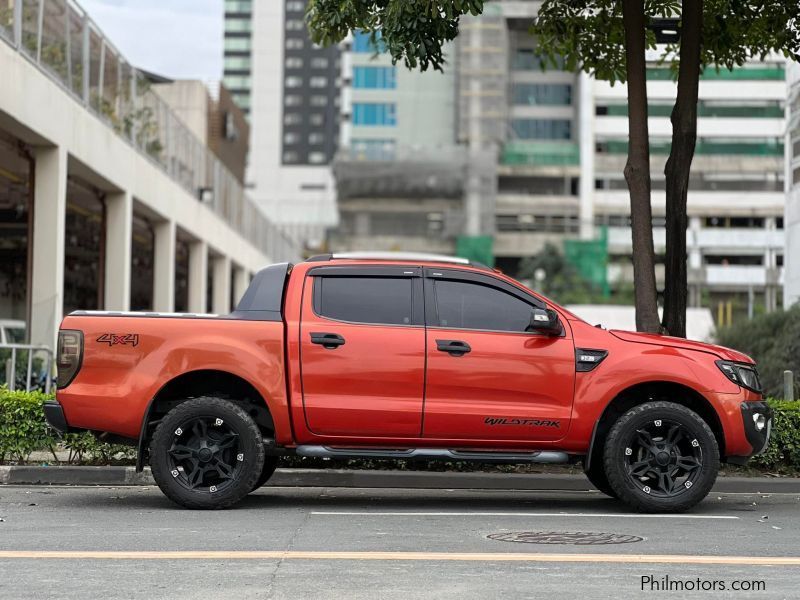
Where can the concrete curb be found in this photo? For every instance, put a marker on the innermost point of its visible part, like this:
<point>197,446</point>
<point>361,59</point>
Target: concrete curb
<point>118,476</point>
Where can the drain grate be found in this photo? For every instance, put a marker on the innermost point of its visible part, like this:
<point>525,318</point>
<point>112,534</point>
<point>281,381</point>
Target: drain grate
<point>575,538</point>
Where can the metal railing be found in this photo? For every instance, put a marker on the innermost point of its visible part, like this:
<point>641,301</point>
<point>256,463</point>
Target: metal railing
<point>38,372</point>
<point>59,37</point>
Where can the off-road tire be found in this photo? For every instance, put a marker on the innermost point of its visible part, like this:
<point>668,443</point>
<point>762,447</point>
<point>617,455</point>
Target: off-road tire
<point>696,433</point>
<point>249,446</point>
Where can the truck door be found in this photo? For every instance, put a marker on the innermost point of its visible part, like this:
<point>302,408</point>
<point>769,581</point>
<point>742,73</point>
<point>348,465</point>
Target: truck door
<point>362,351</point>
<point>487,377</point>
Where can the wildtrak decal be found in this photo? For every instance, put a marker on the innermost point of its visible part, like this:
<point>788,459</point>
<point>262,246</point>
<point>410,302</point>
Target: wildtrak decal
<point>112,339</point>
<point>524,422</point>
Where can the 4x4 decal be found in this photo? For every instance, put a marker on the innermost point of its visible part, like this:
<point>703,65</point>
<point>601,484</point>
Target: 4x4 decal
<point>112,339</point>
<point>516,421</point>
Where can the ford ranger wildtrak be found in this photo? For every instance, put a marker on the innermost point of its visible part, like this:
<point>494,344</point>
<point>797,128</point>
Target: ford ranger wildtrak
<point>412,357</point>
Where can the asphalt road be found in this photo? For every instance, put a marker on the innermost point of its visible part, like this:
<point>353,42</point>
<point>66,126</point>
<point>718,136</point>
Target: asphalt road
<point>305,543</point>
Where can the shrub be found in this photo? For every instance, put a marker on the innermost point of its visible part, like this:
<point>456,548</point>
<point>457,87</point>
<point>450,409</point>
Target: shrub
<point>23,430</point>
<point>773,341</point>
<point>22,426</point>
<point>783,452</point>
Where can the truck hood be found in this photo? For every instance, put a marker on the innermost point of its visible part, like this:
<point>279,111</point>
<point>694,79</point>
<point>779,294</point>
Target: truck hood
<point>675,342</point>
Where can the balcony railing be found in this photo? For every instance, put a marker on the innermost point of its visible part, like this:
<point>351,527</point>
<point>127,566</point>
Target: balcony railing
<point>540,153</point>
<point>59,37</point>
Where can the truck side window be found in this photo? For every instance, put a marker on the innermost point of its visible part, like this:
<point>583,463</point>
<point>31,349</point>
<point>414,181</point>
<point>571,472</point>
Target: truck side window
<point>379,300</point>
<point>463,305</point>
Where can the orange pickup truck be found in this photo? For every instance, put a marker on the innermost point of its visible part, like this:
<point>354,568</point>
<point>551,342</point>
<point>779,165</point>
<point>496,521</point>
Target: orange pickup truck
<point>409,357</point>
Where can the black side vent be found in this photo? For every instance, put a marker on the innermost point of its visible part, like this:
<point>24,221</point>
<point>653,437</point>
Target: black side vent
<point>587,359</point>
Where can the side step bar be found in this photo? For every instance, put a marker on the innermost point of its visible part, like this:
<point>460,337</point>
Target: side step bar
<point>434,454</point>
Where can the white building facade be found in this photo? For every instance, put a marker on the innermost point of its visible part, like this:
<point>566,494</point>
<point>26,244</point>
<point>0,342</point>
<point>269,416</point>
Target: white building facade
<point>792,218</point>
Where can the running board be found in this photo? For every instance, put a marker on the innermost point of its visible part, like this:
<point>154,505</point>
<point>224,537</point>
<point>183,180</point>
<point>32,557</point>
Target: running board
<point>433,454</point>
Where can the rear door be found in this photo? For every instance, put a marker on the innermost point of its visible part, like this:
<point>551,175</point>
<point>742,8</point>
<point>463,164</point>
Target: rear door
<point>487,377</point>
<point>362,351</point>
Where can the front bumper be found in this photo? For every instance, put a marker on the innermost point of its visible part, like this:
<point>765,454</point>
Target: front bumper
<point>757,438</point>
<point>54,414</point>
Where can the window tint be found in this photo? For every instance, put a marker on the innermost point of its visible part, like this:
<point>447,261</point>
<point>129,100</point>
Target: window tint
<point>364,299</point>
<point>472,306</point>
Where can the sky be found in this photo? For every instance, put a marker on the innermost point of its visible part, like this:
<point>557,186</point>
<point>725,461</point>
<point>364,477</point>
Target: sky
<point>180,39</point>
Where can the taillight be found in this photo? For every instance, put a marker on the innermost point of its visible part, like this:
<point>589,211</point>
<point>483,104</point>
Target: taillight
<point>69,354</point>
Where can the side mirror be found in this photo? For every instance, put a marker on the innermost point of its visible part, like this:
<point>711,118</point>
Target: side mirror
<point>544,321</point>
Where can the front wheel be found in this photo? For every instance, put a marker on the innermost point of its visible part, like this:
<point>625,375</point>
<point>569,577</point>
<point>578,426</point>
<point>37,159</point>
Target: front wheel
<point>661,457</point>
<point>207,453</point>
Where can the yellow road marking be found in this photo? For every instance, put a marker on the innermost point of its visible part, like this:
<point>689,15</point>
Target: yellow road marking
<point>416,556</point>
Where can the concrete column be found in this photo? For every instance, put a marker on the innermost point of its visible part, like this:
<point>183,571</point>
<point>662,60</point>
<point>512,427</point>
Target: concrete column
<point>49,218</point>
<point>198,276</point>
<point>693,242</point>
<point>221,294</point>
<point>119,228</point>
<point>241,279</point>
<point>586,120</point>
<point>164,268</point>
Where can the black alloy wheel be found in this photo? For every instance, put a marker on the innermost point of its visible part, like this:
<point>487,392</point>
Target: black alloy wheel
<point>207,453</point>
<point>661,457</point>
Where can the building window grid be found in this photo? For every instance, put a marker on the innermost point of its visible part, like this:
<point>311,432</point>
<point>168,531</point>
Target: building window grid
<point>542,94</point>
<point>376,114</point>
<point>374,77</point>
<point>541,129</point>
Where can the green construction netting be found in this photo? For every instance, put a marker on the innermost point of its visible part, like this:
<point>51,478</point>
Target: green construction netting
<point>590,258</point>
<point>476,247</point>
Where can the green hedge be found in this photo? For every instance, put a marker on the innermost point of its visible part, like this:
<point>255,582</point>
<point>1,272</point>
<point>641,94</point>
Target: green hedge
<point>23,430</point>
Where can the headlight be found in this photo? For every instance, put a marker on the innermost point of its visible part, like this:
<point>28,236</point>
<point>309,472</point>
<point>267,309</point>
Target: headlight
<point>744,375</point>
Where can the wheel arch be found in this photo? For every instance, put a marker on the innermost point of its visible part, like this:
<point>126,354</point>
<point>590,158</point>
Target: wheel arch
<point>640,393</point>
<point>203,382</point>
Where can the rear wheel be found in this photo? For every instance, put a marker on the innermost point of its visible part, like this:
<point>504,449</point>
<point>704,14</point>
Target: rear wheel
<point>661,457</point>
<point>206,453</point>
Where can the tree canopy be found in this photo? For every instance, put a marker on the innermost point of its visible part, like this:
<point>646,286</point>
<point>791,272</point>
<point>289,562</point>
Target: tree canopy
<point>587,34</point>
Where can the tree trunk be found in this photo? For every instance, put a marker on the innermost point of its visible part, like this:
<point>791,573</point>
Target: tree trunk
<point>679,164</point>
<point>637,169</point>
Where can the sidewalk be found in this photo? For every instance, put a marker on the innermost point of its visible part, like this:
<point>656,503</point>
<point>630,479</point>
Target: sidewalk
<point>116,476</point>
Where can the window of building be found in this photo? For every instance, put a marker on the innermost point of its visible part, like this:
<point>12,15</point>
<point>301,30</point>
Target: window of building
<point>237,44</point>
<point>374,77</point>
<point>316,119</point>
<point>293,81</point>
<point>318,82</point>
<point>237,81</point>
<point>525,59</point>
<point>737,222</point>
<point>375,300</point>
<point>542,129</point>
<point>373,149</point>
<point>370,113</point>
<point>294,43</point>
<point>290,157</point>
<point>291,138</point>
<point>316,138</point>
<point>293,100</point>
<point>238,6</point>
<point>319,62</point>
<point>779,223</point>
<point>319,100</point>
<point>542,94</point>
<point>292,119</point>
<point>461,305</point>
<point>237,63</point>
<point>238,25</point>
<point>317,158</point>
<point>734,259</point>
<point>294,62</point>
<point>363,45</point>
<point>295,6</point>
<point>294,25</point>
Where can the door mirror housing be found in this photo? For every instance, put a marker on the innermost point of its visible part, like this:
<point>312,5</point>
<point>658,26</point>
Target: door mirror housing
<point>544,321</point>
